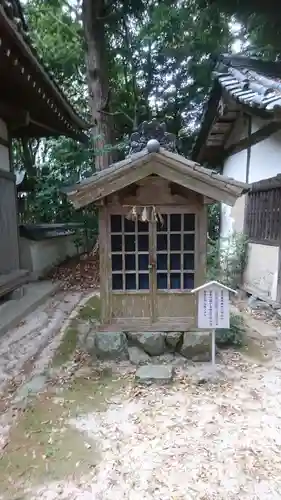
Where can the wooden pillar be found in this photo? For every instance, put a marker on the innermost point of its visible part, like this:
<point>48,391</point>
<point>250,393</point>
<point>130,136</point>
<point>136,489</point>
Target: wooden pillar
<point>278,291</point>
<point>201,240</point>
<point>9,241</point>
<point>105,264</point>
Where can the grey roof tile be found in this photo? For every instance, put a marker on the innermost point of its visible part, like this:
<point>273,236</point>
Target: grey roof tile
<point>250,87</point>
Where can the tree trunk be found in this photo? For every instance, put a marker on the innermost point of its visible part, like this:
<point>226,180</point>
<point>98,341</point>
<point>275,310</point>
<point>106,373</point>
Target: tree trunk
<point>28,156</point>
<point>98,82</point>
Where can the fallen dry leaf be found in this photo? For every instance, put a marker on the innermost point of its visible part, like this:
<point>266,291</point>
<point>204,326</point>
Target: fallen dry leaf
<point>78,273</point>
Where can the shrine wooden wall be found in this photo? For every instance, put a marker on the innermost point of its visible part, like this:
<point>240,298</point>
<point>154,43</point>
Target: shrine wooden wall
<point>151,309</point>
<point>9,242</point>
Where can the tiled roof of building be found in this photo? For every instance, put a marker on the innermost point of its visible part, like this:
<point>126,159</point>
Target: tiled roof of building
<point>241,85</point>
<point>251,81</point>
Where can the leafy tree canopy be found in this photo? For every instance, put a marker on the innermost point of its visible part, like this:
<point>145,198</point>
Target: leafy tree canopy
<point>262,24</point>
<point>157,61</point>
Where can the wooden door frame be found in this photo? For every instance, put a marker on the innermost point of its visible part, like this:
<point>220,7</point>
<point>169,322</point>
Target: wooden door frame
<point>105,212</point>
<point>152,270</point>
<point>177,322</point>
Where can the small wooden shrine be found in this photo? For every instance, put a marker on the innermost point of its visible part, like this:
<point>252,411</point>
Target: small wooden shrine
<point>153,231</point>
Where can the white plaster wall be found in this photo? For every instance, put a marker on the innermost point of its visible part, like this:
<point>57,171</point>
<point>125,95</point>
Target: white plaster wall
<point>234,167</point>
<point>260,277</point>
<point>4,158</point>
<point>265,162</point>
<point>40,256</point>
<point>265,156</point>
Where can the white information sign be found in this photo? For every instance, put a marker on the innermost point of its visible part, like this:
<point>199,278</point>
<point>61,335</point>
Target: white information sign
<point>213,308</point>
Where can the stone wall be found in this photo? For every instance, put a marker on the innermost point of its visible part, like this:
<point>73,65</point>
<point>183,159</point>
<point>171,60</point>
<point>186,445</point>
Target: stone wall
<point>40,256</point>
<point>144,347</point>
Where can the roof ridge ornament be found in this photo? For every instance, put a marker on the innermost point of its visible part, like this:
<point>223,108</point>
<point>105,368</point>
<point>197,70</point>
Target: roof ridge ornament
<point>152,135</point>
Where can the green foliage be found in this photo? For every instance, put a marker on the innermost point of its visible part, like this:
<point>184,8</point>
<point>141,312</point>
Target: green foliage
<point>61,161</point>
<point>235,335</point>
<point>51,163</point>
<point>226,259</point>
<point>261,25</point>
<point>56,34</point>
<point>159,63</point>
<point>214,221</point>
<point>159,60</point>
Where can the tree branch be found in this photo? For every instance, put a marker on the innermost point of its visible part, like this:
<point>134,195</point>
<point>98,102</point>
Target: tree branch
<point>118,113</point>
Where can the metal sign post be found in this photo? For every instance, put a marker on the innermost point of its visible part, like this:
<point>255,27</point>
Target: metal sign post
<point>213,309</point>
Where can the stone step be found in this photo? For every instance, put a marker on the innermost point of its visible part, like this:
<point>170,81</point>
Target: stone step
<point>159,374</point>
<point>12,280</point>
<point>12,312</point>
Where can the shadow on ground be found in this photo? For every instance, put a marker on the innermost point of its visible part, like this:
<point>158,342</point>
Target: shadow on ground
<point>43,446</point>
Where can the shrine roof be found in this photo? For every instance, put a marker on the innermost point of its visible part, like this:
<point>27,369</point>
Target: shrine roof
<point>166,164</point>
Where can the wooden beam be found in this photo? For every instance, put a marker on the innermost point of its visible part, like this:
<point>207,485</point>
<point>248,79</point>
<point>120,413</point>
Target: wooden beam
<point>249,149</point>
<point>14,116</point>
<point>208,201</point>
<point>213,143</point>
<point>179,163</point>
<point>229,116</point>
<point>221,126</point>
<point>176,189</point>
<point>44,126</point>
<point>90,193</point>
<point>195,184</point>
<point>254,138</point>
<point>130,190</point>
<point>201,235</point>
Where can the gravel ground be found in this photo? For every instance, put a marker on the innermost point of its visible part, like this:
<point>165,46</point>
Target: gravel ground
<point>27,350</point>
<point>24,342</point>
<point>219,441</point>
<point>186,441</point>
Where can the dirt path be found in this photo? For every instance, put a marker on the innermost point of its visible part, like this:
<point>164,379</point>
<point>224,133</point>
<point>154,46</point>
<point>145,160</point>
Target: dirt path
<point>106,439</point>
<point>27,350</point>
<point>185,441</point>
<point>24,343</point>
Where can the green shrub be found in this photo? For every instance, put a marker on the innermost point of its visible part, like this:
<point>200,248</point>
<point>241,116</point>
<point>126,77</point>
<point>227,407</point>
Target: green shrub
<point>227,259</point>
<point>235,335</point>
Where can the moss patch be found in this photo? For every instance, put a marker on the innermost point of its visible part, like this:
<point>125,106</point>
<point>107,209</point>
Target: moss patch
<point>258,350</point>
<point>91,311</point>
<point>67,345</point>
<point>44,447</point>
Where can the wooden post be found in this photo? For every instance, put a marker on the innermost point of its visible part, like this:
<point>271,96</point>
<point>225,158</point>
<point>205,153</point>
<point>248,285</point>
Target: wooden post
<point>213,348</point>
<point>278,291</point>
<point>105,282</point>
